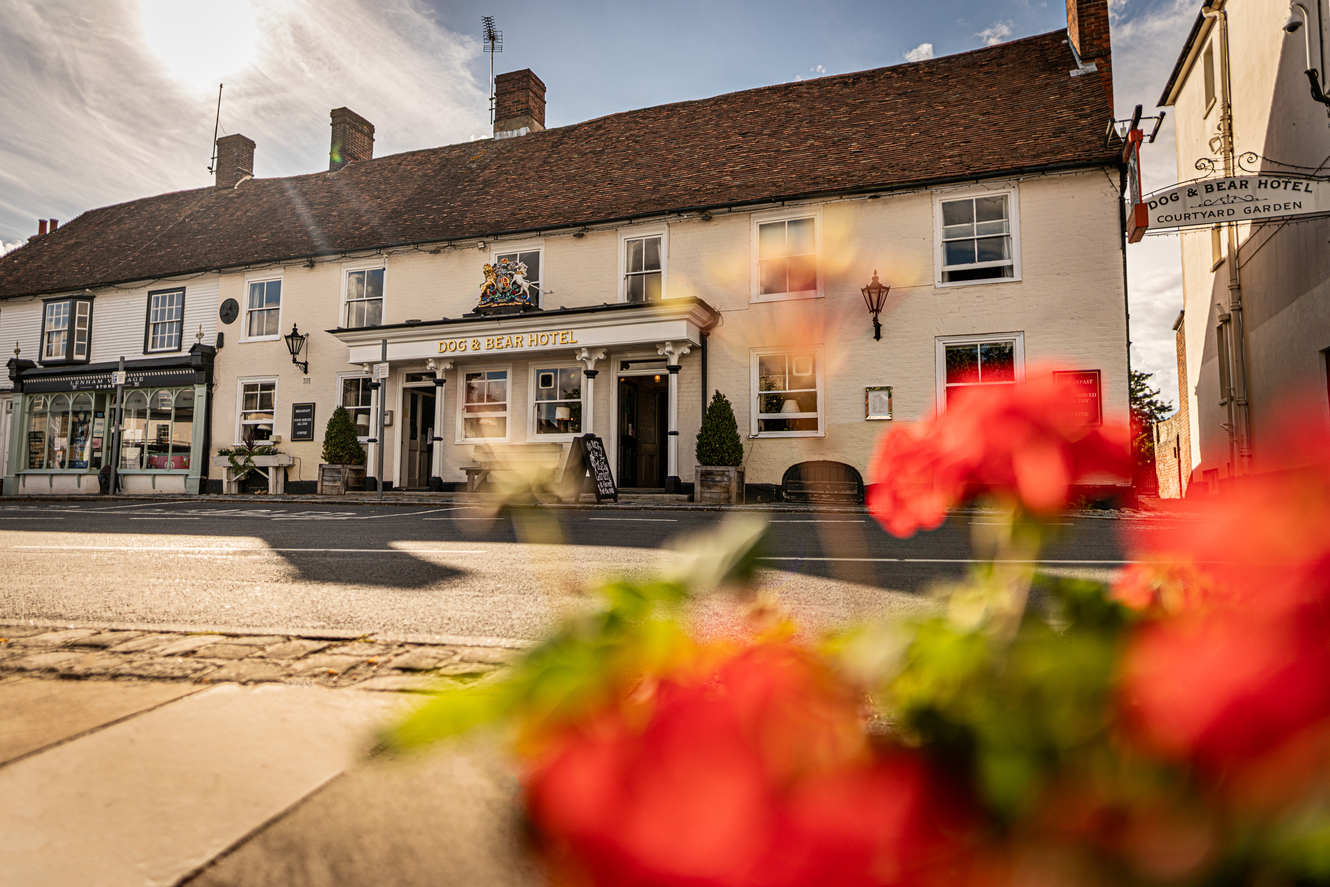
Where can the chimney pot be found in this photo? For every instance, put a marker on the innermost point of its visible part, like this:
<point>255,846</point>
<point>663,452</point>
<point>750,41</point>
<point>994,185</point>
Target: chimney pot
<point>235,160</point>
<point>41,227</point>
<point>519,104</point>
<point>352,139</point>
<point>55,223</point>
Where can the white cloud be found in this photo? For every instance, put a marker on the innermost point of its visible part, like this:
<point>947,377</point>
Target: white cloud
<point>9,247</point>
<point>813,72</point>
<point>920,52</point>
<point>995,33</point>
<point>94,115</point>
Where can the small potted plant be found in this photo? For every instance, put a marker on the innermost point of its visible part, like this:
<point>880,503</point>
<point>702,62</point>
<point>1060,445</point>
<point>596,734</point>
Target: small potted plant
<point>720,455</point>
<point>343,466</point>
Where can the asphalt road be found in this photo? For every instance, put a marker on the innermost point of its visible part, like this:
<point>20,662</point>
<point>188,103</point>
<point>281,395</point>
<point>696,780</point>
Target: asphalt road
<point>448,571</point>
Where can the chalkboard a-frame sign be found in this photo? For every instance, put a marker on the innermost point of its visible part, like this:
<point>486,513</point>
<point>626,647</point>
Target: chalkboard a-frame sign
<point>588,470</point>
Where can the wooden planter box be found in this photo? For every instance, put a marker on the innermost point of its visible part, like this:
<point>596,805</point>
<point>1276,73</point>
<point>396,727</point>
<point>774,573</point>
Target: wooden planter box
<point>272,467</point>
<point>336,480</point>
<point>719,485</point>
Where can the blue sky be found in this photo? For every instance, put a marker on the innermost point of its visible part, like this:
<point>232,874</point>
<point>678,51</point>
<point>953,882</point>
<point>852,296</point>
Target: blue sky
<point>112,100</point>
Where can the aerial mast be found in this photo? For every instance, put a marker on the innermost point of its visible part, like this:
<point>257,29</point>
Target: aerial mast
<point>216,121</point>
<point>493,43</point>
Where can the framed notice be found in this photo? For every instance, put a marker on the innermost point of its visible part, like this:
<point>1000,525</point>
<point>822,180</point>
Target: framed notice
<point>877,402</point>
<point>1085,406</point>
<point>302,421</point>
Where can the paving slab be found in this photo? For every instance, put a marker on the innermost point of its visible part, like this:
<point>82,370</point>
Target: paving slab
<point>423,659</point>
<point>227,651</point>
<point>294,649</point>
<point>35,714</point>
<point>184,645</point>
<point>58,638</point>
<point>448,819</point>
<point>151,799</point>
<point>107,638</point>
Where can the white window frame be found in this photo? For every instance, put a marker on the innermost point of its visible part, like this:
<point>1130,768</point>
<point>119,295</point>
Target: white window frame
<point>337,400</point>
<point>78,320</point>
<point>525,246</point>
<point>532,436</point>
<point>460,397</point>
<point>940,358</point>
<point>349,268</point>
<point>754,393</point>
<point>244,308</point>
<point>627,234</point>
<point>241,382</point>
<point>180,341</point>
<point>786,215</point>
<point>1014,208</point>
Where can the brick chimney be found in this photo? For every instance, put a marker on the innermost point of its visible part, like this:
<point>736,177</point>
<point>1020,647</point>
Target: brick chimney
<point>1087,30</point>
<point>352,138</point>
<point>519,104</point>
<point>235,160</point>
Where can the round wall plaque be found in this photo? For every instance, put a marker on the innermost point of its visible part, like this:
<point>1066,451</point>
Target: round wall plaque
<point>230,311</point>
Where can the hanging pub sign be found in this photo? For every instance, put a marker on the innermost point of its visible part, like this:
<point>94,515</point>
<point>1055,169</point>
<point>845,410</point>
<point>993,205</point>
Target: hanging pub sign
<point>1138,214</point>
<point>1207,202</point>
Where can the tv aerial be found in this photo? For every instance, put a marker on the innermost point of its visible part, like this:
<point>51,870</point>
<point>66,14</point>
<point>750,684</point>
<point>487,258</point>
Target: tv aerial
<point>493,40</point>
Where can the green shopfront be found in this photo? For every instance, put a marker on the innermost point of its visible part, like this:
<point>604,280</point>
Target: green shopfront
<point>62,432</point>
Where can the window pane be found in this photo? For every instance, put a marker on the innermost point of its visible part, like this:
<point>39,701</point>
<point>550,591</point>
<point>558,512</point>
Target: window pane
<point>256,295</point>
<point>652,262</point>
<point>374,284</point>
<point>800,237</point>
<point>803,274</point>
<point>635,288</point>
<point>803,373</point>
<point>772,276</point>
<point>990,209</point>
<point>984,228</point>
<point>959,252</point>
<point>182,429</point>
<point>373,313</point>
<point>771,372</point>
<point>771,240</point>
<point>634,256</point>
<point>273,296</point>
<point>570,383</point>
<point>993,271</point>
<point>962,364</point>
<point>475,388</point>
<point>497,390</point>
<point>37,414</point>
<point>992,249</point>
<point>652,293</point>
<point>958,212</point>
<point>355,285</point>
<point>997,361</point>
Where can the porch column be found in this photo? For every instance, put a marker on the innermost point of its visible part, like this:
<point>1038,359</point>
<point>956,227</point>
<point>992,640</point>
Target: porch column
<point>589,358</point>
<point>672,352</point>
<point>373,441</point>
<point>436,461</point>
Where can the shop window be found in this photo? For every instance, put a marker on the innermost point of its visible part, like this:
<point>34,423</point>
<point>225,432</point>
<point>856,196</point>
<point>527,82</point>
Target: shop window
<point>364,298</point>
<point>976,238</point>
<point>787,258</point>
<point>85,443</point>
<point>65,432</point>
<point>969,362</point>
<point>166,321</point>
<point>257,409</point>
<point>787,393</point>
<point>557,400</point>
<point>134,436</point>
<point>263,310</point>
<point>358,398</point>
<point>485,405</point>
<point>66,330</point>
<point>644,276</point>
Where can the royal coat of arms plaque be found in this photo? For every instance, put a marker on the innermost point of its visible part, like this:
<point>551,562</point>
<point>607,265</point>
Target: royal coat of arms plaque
<point>506,289</point>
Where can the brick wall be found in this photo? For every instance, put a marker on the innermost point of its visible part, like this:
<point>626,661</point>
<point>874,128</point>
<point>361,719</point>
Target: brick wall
<point>519,101</point>
<point>1088,30</point>
<point>235,160</point>
<point>1173,435</point>
<point>352,138</point>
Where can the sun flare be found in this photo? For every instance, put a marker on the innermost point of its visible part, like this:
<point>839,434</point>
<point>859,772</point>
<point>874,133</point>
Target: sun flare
<point>200,42</point>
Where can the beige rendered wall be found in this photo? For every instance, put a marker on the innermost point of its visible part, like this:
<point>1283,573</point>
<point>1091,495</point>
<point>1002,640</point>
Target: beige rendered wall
<point>1069,304</point>
<point>1284,266</point>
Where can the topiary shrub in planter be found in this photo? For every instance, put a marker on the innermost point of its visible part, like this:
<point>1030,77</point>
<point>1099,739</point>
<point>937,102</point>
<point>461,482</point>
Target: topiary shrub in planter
<point>720,455</point>
<point>343,466</point>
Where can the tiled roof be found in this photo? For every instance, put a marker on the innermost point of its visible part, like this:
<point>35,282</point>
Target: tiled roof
<point>993,111</point>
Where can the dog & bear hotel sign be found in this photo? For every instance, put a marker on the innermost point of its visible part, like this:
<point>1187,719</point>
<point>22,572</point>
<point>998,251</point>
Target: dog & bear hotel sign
<point>1237,199</point>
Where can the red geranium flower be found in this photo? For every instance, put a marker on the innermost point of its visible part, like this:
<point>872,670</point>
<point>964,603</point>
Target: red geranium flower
<point>1022,443</point>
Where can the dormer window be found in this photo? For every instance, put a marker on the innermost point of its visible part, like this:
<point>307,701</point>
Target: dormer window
<point>66,330</point>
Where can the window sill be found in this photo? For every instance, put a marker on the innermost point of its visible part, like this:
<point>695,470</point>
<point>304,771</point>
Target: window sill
<point>276,338</point>
<point>787,297</point>
<point>1216,264</point>
<point>176,350</point>
<point>765,434</point>
<point>947,284</point>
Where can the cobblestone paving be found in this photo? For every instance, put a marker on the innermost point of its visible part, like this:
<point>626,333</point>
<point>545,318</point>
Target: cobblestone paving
<point>364,663</point>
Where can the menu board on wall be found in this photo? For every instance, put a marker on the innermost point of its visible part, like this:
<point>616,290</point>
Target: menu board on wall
<point>1085,407</point>
<point>302,421</point>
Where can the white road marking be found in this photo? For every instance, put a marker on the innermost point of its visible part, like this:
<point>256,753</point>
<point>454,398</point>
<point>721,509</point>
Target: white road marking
<point>412,513</point>
<point>640,520</point>
<point>140,505</point>
<point>462,518</point>
<point>816,522</point>
<point>165,518</point>
<point>942,560</point>
<point>179,548</point>
<point>31,518</point>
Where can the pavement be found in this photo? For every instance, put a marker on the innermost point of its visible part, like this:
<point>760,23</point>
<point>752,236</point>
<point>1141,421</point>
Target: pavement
<point>229,759</point>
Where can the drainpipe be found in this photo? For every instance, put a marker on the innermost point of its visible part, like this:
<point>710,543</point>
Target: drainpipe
<point>1239,426</point>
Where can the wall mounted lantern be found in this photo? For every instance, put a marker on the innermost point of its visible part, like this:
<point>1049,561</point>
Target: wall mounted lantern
<point>875,295</point>
<point>295,343</point>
